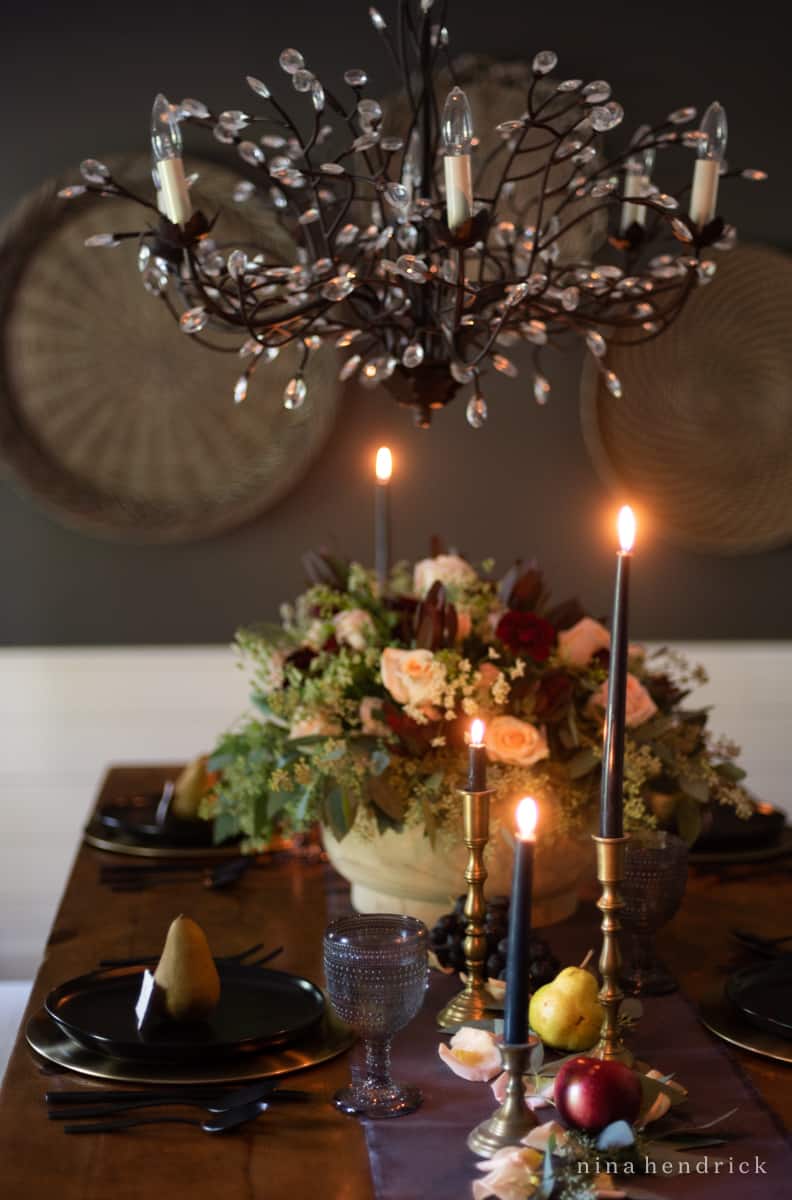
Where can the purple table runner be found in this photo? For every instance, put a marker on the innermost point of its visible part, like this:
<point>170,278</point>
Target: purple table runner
<point>425,1155</point>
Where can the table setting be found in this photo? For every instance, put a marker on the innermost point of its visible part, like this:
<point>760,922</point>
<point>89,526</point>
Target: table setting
<point>517,1055</point>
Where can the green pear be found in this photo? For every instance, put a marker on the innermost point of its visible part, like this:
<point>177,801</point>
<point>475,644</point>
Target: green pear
<point>566,1013</point>
<point>186,973</point>
<point>189,790</point>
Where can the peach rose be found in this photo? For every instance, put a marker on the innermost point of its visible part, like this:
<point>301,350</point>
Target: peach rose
<point>638,704</point>
<point>412,677</point>
<point>513,1173</point>
<point>370,710</point>
<point>448,569</point>
<point>579,644</point>
<point>353,627</point>
<point>509,740</point>
<point>314,724</point>
<point>472,1054</point>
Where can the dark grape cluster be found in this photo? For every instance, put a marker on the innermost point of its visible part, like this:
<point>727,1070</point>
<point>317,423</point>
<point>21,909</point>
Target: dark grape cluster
<point>448,934</point>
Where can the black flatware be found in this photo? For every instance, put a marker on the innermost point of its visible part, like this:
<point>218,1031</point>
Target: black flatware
<point>217,1103</point>
<point>219,1123</point>
<point>138,879</point>
<point>243,957</point>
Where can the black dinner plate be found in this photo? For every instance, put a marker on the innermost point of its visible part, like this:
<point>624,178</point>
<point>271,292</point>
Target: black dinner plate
<point>135,817</point>
<point>724,830</point>
<point>763,994</point>
<point>258,1009</point>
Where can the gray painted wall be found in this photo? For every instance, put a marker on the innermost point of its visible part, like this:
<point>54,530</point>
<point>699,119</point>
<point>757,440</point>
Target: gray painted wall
<point>75,82</point>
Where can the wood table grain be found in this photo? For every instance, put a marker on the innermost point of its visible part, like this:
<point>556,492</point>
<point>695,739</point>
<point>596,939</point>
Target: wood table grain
<point>321,1155</point>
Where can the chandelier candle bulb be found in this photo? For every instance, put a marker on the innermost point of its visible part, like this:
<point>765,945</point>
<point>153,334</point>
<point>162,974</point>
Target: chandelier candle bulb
<point>382,554</point>
<point>611,795</point>
<point>173,196</point>
<point>709,161</point>
<point>515,1029</point>
<point>638,178</point>
<point>477,758</point>
<point>457,129</point>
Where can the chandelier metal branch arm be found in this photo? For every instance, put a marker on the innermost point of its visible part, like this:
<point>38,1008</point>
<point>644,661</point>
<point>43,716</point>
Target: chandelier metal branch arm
<point>420,253</point>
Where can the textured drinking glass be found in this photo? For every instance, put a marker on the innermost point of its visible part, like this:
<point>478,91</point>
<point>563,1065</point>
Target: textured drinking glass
<point>655,874</point>
<point>376,970</point>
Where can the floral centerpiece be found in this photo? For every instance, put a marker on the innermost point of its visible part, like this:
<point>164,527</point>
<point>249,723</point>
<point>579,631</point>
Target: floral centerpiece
<point>363,699</point>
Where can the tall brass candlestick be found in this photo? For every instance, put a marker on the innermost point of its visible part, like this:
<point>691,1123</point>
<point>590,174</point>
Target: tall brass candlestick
<point>473,1002</point>
<point>610,872</point>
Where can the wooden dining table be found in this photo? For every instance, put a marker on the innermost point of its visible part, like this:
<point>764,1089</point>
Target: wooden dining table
<point>317,1152</point>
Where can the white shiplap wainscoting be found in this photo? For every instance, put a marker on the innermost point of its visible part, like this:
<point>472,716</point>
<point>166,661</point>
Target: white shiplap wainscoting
<point>66,714</point>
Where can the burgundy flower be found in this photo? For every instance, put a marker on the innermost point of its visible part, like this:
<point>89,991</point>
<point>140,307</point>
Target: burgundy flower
<point>553,695</point>
<point>526,633</point>
<point>301,658</point>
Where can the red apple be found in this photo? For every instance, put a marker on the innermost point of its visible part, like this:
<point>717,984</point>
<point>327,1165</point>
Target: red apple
<point>590,1093</point>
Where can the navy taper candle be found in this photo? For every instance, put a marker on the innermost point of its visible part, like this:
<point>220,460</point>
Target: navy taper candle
<point>612,786</point>
<point>515,1028</point>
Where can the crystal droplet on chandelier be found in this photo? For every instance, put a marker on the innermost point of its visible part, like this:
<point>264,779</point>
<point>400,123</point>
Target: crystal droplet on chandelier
<point>194,320</point>
<point>241,389</point>
<point>476,411</point>
<point>294,393</point>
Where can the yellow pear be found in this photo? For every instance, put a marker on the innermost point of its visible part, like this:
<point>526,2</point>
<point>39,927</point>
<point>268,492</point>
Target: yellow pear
<point>186,972</point>
<point>566,1013</point>
<point>189,790</point>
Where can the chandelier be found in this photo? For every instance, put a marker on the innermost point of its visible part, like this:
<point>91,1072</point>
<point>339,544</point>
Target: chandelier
<point>402,258</point>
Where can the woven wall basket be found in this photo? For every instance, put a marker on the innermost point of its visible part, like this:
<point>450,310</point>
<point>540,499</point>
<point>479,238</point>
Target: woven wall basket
<point>110,416</point>
<point>702,435</point>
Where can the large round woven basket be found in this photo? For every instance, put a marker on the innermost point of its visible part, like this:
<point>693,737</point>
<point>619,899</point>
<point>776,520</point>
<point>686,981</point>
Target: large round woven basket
<point>112,417</point>
<point>702,434</point>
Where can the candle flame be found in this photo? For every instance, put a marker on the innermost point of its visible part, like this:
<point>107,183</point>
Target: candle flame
<point>477,733</point>
<point>626,526</point>
<point>527,813</point>
<point>384,464</point>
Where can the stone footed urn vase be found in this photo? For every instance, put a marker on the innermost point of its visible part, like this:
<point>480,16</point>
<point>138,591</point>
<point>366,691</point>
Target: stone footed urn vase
<point>405,872</point>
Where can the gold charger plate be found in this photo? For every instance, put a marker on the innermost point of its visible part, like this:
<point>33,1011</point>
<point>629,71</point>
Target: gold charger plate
<point>48,1041</point>
<point>121,846</point>
<point>720,1017</point>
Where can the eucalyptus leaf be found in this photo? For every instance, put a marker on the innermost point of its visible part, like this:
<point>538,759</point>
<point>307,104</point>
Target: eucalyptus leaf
<point>582,763</point>
<point>730,771</point>
<point>225,825</point>
<point>536,1059</point>
<point>616,1136</point>
<point>688,819</point>
<point>696,788</point>
<point>379,761</point>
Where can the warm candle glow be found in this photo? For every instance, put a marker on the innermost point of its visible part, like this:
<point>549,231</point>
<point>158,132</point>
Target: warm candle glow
<point>477,733</point>
<point>384,464</point>
<point>626,525</point>
<point>527,813</point>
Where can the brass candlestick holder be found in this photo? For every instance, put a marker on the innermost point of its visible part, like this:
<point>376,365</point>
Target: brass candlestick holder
<point>514,1118</point>
<point>610,872</point>
<point>473,1002</point>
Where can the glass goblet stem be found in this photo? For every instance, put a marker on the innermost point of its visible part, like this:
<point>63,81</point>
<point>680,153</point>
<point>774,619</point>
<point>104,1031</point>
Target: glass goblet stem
<point>378,1062</point>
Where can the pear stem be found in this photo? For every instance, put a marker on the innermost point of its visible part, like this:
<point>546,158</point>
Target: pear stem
<point>587,960</point>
